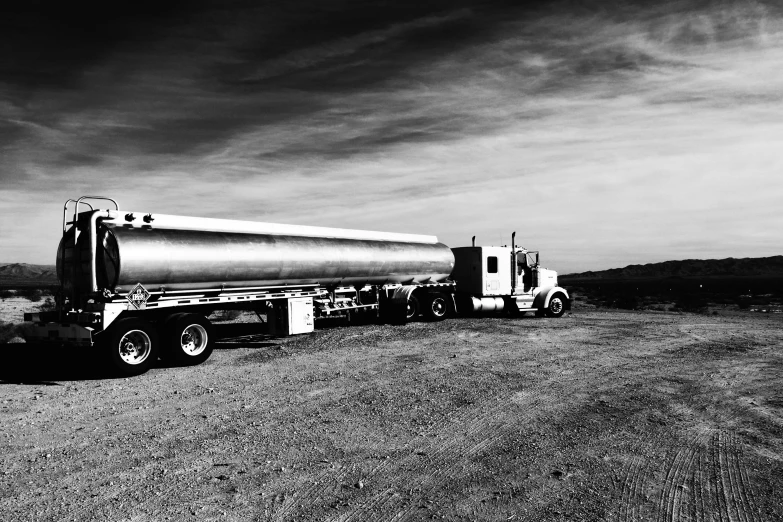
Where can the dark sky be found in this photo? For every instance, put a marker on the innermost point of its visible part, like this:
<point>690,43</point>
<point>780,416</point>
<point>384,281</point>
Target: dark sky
<point>604,133</point>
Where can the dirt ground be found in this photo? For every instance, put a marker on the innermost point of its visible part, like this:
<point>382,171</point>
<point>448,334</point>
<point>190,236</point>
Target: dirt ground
<point>598,415</point>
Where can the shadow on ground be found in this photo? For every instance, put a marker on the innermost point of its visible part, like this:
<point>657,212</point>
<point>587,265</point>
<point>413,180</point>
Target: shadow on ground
<point>43,364</point>
<point>232,336</point>
<point>47,364</point>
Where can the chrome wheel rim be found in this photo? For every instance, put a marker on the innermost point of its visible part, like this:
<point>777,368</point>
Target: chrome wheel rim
<point>135,347</point>
<point>439,307</point>
<point>556,306</point>
<point>194,339</point>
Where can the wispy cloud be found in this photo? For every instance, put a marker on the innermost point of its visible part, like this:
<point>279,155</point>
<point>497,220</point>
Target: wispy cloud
<point>605,137</point>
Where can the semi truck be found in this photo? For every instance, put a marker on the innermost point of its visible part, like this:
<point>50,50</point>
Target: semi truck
<point>140,285</point>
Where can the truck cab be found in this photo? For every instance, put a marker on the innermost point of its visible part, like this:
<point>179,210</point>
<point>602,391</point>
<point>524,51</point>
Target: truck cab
<point>506,279</point>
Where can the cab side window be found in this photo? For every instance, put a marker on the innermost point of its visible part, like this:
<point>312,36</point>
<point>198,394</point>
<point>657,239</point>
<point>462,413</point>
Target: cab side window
<point>492,265</point>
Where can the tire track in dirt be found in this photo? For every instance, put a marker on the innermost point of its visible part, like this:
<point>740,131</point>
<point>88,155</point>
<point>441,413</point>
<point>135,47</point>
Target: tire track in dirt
<point>698,506</point>
<point>441,460</point>
<point>717,483</point>
<point>674,497</point>
<point>104,499</point>
<point>735,496</point>
<point>707,333</point>
<point>429,455</point>
<point>631,490</point>
<point>132,479</point>
<point>326,483</point>
<point>323,482</point>
<point>706,480</point>
<point>418,460</point>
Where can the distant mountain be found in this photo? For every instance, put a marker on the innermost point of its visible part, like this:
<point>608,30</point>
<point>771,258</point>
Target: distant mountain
<point>745,267</point>
<point>18,272</point>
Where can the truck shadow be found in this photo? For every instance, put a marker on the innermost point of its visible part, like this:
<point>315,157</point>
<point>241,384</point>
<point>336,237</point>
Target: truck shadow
<point>232,336</point>
<point>41,364</point>
<point>45,364</point>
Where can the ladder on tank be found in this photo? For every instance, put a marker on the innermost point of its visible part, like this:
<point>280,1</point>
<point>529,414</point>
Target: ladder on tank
<point>73,248</point>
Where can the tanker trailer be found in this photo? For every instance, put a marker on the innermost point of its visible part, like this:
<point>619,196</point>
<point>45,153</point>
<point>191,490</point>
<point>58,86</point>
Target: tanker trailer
<point>141,285</point>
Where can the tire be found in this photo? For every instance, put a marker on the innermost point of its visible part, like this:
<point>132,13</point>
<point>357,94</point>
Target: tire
<point>557,304</point>
<point>413,308</point>
<point>436,307</point>
<point>189,339</point>
<point>131,346</point>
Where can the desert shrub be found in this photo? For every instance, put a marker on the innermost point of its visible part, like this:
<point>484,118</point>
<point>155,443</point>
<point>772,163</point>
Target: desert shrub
<point>33,294</point>
<point>48,305</point>
<point>743,303</point>
<point>6,331</point>
<point>7,293</point>
<point>692,303</point>
<point>627,302</point>
<point>9,331</point>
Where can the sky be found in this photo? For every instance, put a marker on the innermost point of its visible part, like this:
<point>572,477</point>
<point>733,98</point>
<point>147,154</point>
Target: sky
<point>604,133</point>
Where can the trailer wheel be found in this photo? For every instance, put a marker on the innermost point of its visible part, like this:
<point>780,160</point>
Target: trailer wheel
<point>131,346</point>
<point>556,306</point>
<point>412,309</point>
<point>437,307</point>
<point>189,338</point>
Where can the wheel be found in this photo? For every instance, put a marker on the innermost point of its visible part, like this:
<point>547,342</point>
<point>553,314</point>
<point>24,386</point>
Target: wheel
<point>556,306</point>
<point>437,307</point>
<point>189,338</point>
<point>131,346</point>
<point>412,309</point>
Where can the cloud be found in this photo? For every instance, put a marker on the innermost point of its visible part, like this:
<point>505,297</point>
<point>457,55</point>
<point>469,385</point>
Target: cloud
<point>604,136</point>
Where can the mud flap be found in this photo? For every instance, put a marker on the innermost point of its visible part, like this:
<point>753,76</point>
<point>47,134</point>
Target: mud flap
<point>399,304</point>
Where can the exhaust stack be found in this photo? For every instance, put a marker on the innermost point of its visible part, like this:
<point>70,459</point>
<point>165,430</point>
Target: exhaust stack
<point>513,262</point>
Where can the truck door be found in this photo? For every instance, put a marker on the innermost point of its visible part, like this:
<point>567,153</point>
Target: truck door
<point>476,273</point>
<point>492,277</point>
<point>520,275</point>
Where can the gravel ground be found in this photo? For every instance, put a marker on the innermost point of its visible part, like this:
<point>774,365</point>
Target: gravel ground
<point>593,416</point>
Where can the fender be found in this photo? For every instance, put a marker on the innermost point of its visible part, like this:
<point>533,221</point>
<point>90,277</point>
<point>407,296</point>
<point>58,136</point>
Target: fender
<point>402,294</point>
<point>398,304</point>
<point>545,294</point>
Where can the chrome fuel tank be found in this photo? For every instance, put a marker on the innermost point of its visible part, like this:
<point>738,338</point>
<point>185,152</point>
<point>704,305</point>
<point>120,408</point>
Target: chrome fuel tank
<point>193,259</point>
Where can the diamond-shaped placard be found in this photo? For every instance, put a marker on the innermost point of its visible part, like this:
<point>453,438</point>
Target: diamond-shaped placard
<point>138,296</point>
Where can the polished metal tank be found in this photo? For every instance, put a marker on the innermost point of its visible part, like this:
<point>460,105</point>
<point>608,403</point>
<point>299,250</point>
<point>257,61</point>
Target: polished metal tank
<point>194,259</point>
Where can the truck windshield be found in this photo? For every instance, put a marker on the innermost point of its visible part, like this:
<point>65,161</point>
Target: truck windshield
<point>532,258</point>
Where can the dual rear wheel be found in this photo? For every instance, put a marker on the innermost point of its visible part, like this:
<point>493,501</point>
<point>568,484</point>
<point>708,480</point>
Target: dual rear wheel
<point>435,307</point>
<point>132,345</point>
<point>188,338</point>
